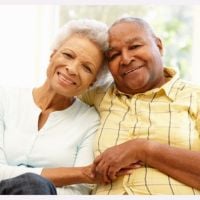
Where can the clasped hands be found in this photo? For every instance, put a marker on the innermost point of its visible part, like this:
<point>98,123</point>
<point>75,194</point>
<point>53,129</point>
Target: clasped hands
<point>116,161</point>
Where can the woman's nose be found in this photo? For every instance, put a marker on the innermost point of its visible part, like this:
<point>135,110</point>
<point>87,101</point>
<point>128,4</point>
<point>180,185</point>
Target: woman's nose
<point>72,68</point>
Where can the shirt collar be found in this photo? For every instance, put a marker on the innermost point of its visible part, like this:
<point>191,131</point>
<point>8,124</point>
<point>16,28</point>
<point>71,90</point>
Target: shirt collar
<point>172,76</point>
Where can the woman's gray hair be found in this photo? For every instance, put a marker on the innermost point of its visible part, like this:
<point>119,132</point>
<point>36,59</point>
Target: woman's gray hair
<point>94,30</point>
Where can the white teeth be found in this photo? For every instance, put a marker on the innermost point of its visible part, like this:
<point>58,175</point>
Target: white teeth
<point>66,80</point>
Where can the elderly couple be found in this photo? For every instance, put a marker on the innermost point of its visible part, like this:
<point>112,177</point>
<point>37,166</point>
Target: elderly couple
<point>143,125</point>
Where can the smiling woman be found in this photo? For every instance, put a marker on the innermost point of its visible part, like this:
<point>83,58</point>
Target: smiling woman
<point>75,66</point>
<point>50,118</point>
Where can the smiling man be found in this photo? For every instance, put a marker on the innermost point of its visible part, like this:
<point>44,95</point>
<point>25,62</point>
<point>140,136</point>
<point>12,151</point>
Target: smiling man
<point>150,119</point>
<point>135,58</point>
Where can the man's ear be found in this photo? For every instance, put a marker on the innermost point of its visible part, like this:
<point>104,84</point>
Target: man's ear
<point>159,45</point>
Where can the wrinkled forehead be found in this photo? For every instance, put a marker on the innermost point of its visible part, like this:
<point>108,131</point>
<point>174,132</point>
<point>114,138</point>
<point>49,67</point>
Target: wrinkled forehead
<point>127,32</point>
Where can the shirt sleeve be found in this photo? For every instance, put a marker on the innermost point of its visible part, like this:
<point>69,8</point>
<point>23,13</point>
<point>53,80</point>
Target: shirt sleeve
<point>7,171</point>
<point>88,97</point>
<point>95,95</point>
<point>85,148</point>
<point>85,154</point>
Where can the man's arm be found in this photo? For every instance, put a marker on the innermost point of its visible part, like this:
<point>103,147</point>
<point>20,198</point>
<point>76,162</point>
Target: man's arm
<point>180,164</point>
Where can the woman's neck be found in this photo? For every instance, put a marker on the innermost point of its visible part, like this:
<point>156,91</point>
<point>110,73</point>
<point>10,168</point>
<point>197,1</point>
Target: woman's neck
<point>48,100</point>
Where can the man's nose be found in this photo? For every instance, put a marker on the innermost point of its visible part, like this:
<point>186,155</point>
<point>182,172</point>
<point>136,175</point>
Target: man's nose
<point>126,58</point>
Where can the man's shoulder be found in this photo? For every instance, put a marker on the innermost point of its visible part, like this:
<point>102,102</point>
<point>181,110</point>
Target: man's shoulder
<point>189,85</point>
<point>95,94</point>
<point>186,88</point>
<point>102,88</point>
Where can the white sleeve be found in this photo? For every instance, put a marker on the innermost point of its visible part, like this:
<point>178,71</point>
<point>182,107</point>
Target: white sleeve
<point>84,156</point>
<point>7,171</point>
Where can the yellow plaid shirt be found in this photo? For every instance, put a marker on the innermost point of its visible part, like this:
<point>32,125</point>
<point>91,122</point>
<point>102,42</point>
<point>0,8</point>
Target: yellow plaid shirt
<point>169,114</point>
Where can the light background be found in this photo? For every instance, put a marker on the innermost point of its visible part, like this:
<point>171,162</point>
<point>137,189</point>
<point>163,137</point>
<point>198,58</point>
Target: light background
<point>24,50</point>
<point>28,27</point>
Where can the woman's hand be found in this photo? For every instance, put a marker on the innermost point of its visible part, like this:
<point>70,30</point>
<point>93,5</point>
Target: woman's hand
<point>87,173</point>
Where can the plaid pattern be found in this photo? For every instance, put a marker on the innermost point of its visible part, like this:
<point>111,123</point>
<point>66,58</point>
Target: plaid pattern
<point>169,114</point>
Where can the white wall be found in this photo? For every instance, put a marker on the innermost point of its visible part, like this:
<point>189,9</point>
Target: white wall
<point>25,35</point>
<point>26,32</point>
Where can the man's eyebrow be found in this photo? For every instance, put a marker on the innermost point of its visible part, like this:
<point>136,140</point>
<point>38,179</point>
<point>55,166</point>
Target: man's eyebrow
<point>135,39</point>
<point>128,41</point>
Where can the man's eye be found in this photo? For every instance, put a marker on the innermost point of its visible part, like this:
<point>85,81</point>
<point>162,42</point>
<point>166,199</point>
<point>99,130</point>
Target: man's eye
<point>135,46</point>
<point>113,56</point>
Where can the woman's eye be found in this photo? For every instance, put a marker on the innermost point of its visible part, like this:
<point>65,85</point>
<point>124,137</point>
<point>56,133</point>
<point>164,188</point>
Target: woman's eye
<point>67,55</point>
<point>87,68</point>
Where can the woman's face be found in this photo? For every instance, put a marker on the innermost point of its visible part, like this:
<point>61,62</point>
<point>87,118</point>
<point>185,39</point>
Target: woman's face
<point>74,66</point>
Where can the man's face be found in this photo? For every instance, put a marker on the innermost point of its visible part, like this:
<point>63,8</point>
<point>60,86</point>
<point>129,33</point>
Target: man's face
<point>134,58</point>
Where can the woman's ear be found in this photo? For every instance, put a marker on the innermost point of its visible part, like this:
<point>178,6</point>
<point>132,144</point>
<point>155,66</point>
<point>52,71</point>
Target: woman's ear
<point>91,84</point>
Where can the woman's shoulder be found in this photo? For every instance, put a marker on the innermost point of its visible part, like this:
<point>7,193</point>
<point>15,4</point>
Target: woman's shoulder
<point>86,110</point>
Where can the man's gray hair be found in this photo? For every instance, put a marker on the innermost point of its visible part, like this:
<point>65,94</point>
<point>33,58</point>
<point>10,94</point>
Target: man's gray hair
<point>141,22</point>
<point>95,31</point>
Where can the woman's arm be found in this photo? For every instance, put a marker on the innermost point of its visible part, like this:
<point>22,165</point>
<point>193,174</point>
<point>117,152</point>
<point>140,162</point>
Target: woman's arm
<point>81,170</point>
<point>68,175</point>
<point>6,170</point>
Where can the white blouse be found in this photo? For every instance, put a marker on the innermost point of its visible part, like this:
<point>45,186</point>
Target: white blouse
<point>64,141</point>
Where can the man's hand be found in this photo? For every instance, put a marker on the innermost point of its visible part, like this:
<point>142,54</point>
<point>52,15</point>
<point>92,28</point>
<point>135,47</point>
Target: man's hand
<point>118,160</point>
